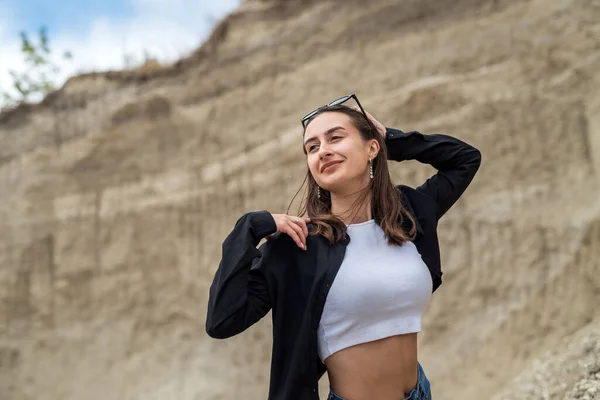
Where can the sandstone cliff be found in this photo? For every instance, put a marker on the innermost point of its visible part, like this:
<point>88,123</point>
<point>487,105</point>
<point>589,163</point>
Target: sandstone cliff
<point>117,191</point>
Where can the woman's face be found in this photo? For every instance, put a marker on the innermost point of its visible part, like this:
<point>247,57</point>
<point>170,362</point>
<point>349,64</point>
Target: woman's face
<point>332,138</point>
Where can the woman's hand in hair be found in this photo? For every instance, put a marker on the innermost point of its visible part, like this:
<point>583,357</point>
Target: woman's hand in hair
<point>295,227</point>
<point>380,127</point>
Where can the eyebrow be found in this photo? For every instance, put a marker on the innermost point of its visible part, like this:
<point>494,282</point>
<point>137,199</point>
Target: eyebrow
<point>329,132</point>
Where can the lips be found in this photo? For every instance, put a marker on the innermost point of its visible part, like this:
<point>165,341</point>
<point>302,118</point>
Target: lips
<point>329,164</point>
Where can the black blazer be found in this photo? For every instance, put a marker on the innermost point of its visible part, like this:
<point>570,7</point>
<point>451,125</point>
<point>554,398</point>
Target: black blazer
<point>294,283</point>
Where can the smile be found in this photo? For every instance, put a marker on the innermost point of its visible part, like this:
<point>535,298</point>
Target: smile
<point>331,167</point>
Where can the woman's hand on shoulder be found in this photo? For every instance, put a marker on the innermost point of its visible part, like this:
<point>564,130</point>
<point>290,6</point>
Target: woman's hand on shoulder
<point>294,227</point>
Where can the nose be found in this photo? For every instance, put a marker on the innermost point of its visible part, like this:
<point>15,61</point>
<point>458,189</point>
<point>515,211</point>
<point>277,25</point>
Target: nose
<point>324,151</point>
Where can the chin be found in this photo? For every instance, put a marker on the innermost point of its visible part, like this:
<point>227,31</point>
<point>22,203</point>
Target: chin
<point>332,185</point>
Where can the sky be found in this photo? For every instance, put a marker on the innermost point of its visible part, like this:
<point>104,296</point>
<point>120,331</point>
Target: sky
<point>105,34</point>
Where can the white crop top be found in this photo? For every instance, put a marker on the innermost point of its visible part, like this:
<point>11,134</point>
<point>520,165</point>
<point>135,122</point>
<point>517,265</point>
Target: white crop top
<point>380,290</point>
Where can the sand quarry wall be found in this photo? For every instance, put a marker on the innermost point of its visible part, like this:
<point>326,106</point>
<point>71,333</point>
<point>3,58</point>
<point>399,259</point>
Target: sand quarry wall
<point>117,191</point>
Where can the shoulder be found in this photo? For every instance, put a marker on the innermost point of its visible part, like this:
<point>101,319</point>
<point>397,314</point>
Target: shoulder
<point>280,247</point>
<point>278,241</point>
<point>412,195</point>
<point>416,202</point>
<point>272,254</point>
<point>281,257</point>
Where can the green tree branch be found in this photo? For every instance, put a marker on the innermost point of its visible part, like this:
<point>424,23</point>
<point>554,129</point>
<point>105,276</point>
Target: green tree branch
<point>40,73</point>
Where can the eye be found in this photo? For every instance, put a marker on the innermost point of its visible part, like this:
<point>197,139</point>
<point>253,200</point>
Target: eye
<point>311,147</point>
<point>336,137</point>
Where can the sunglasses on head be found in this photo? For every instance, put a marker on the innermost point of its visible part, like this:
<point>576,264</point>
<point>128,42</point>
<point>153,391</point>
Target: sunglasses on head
<point>341,100</point>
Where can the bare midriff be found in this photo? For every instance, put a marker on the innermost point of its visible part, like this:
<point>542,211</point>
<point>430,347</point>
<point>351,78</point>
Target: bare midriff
<point>384,369</point>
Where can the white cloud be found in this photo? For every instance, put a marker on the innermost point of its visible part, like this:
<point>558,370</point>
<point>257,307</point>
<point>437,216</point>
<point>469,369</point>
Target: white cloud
<point>164,29</point>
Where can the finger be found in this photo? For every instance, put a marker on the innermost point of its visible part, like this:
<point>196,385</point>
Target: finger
<point>298,229</point>
<point>368,114</point>
<point>308,220</point>
<point>372,118</point>
<point>377,124</point>
<point>302,223</point>
<point>292,233</point>
<point>356,108</point>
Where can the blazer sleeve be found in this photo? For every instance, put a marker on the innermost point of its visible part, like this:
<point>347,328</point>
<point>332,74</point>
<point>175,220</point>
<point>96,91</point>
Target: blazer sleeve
<point>456,162</point>
<point>239,294</point>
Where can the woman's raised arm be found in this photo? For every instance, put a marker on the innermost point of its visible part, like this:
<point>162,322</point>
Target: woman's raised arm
<point>456,162</point>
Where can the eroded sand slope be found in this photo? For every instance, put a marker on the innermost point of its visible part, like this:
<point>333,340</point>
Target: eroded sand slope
<point>117,191</point>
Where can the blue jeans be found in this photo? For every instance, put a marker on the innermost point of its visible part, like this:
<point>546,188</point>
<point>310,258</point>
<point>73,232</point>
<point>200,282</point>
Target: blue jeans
<point>421,392</point>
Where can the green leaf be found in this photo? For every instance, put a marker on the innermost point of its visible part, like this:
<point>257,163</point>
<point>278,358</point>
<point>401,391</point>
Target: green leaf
<point>39,60</point>
<point>40,71</point>
<point>19,88</point>
<point>26,45</point>
<point>44,39</point>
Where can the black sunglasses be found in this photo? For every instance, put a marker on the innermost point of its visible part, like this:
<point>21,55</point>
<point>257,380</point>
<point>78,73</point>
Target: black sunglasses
<point>335,103</point>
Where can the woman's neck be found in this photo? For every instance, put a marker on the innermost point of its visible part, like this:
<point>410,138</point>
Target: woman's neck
<point>349,212</point>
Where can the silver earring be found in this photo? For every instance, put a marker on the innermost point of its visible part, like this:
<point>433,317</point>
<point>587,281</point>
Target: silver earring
<point>318,192</point>
<point>371,168</point>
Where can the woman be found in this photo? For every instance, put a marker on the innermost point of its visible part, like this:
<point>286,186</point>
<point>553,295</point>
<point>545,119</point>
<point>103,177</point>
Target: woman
<point>348,284</point>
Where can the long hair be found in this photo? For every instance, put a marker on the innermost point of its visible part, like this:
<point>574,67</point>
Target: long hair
<point>386,206</point>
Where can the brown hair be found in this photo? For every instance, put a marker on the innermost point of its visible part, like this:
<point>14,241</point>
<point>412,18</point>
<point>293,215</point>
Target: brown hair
<point>386,207</point>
